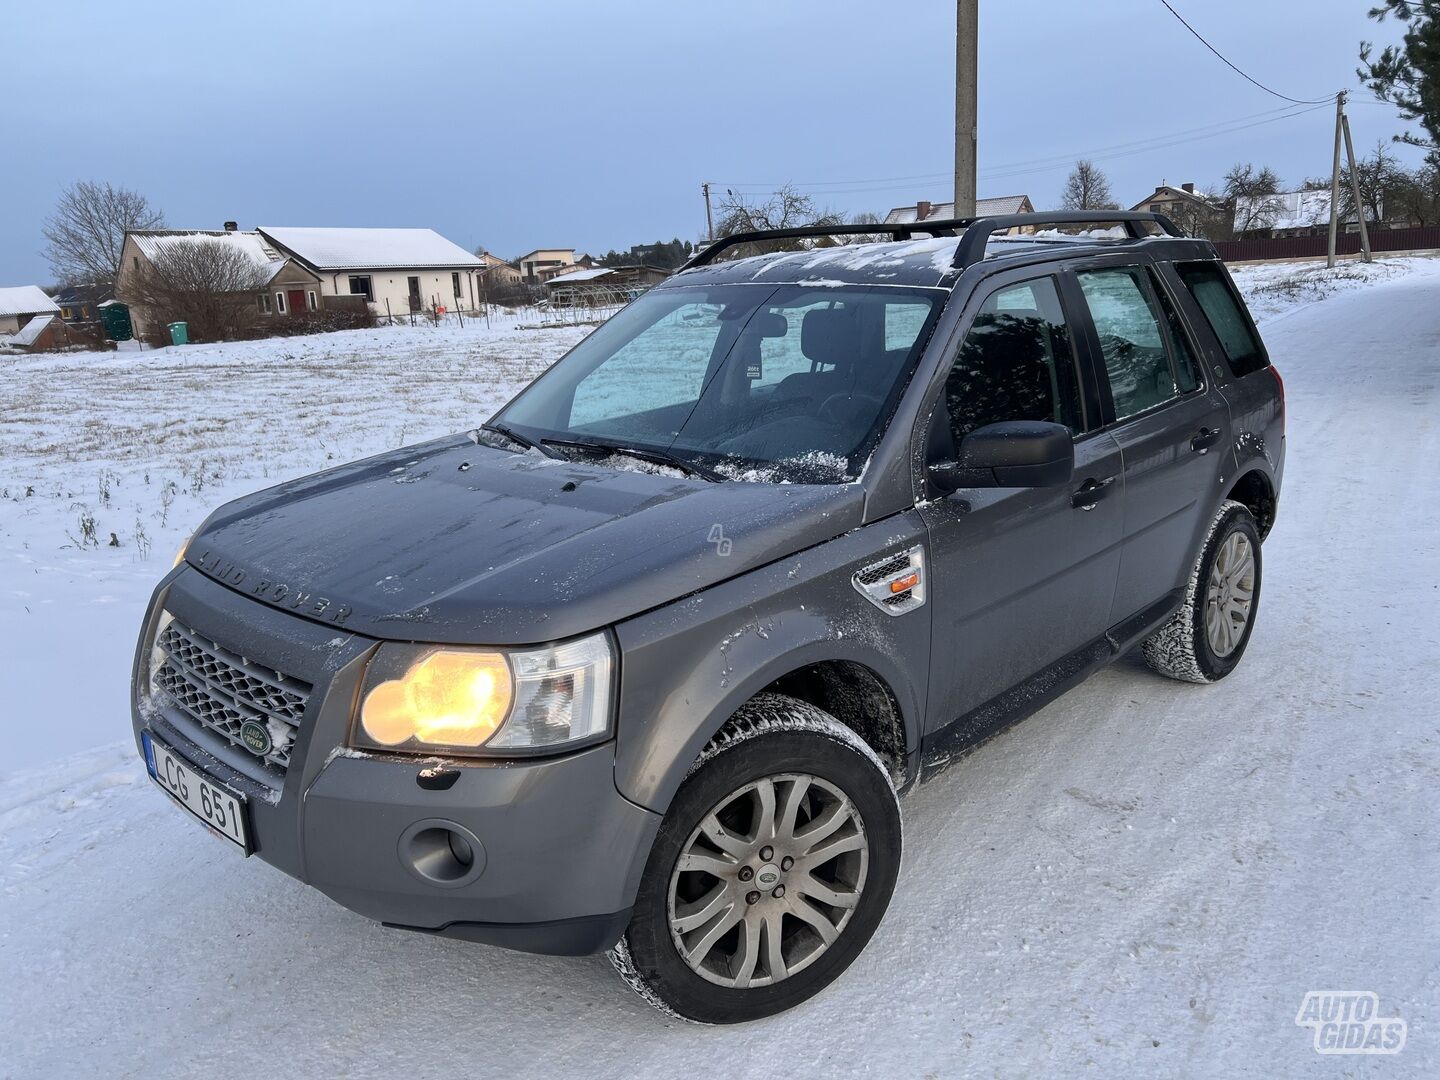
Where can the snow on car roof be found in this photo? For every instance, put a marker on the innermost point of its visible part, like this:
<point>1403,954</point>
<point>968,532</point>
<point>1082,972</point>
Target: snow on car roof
<point>370,249</point>
<point>25,300</point>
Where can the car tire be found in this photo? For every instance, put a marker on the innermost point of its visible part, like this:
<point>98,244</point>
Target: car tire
<point>718,965</point>
<point>1205,639</point>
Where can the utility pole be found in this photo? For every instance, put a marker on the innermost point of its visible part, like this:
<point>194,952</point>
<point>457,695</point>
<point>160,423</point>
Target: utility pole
<point>1342,135</point>
<point>1355,187</point>
<point>709,220</point>
<point>967,69</point>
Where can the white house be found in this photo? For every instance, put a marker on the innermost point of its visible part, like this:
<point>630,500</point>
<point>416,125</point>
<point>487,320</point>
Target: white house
<point>21,303</point>
<point>286,287</point>
<point>397,270</point>
<point>1291,213</point>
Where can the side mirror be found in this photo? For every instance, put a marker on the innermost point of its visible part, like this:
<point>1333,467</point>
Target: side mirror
<point>1016,453</point>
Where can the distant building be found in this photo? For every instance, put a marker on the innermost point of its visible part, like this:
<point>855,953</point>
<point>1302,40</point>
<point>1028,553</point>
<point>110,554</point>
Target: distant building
<point>1199,213</point>
<point>396,270</point>
<point>286,286</point>
<point>497,274</point>
<point>535,264</point>
<point>19,304</point>
<point>81,303</point>
<point>924,211</point>
<point>1290,213</point>
<point>582,262</point>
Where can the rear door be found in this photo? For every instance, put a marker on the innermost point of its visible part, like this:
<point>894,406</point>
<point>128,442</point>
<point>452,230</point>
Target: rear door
<point>1021,577</point>
<point>1169,420</point>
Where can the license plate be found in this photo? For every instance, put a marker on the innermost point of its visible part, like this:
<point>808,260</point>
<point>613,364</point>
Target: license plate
<point>218,807</point>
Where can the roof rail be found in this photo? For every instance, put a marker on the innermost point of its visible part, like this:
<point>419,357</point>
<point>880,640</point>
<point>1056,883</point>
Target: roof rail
<point>971,248</point>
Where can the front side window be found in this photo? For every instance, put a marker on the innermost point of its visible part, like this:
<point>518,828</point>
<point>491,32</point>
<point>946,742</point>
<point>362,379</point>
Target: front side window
<point>786,382</point>
<point>455,284</point>
<point>265,303</point>
<point>1131,339</point>
<point>1223,311</point>
<point>1016,363</point>
<point>360,286</point>
<point>280,302</point>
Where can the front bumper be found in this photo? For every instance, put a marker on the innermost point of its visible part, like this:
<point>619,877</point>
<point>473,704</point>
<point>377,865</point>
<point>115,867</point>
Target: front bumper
<point>557,851</point>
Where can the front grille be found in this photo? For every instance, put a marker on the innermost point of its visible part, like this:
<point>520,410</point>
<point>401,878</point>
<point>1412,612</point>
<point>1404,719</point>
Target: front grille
<point>221,692</point>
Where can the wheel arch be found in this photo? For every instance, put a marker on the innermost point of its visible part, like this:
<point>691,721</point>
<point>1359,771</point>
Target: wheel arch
<point>1255,490</point>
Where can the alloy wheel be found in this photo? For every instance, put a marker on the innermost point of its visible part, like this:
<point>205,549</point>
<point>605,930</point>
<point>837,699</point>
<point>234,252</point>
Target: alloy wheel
<point>1229,595</point>
<point>768,880</point>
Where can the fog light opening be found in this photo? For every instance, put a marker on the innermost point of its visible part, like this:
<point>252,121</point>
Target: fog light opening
<point>442,853</point>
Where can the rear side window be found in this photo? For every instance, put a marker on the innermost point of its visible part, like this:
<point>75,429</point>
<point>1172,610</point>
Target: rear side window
<point>1131,339</point>
<point>1226,316</point>
<point>1185,366</point>
<point>1016,363</point>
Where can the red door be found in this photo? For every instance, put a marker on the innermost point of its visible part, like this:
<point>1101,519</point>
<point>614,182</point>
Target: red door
<point>295,301</point>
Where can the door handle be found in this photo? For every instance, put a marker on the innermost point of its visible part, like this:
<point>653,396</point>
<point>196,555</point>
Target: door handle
<point>1090,493</point>
<point>1204,439</point>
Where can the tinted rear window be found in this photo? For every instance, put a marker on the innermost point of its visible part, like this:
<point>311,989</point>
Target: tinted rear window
<point>1227,317</point>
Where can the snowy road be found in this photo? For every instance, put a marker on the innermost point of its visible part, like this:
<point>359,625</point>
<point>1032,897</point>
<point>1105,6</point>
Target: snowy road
<point>1142,880</point>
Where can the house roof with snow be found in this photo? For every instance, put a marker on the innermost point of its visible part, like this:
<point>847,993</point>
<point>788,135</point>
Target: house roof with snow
<point>1288,210</point>
<point>30,333</point>
<point>154,243</point>
<point>26,300</point>
<point>578,275</point>
<point>370,249</point>
<point>1005,204</point>
<point>1183,193</point>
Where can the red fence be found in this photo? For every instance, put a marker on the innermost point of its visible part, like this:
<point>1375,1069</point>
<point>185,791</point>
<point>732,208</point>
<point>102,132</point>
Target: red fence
<point>1312,247</point>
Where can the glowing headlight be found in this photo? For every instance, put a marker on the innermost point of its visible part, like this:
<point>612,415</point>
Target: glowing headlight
<point>420,699</point>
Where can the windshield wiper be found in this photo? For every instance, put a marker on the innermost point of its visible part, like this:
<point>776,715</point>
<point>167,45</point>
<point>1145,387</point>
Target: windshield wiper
<point>514,436</point>
<point>655,457</point>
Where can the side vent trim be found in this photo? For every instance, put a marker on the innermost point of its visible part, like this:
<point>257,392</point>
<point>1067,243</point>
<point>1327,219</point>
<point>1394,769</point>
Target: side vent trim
<point>895,585</point>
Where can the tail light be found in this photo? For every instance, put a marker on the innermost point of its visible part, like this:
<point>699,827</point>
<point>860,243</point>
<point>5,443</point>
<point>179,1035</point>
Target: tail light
<point>1280,383</point>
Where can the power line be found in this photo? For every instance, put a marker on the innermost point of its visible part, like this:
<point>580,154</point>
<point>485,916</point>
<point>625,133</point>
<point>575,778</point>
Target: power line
<point>1034,165</point>
<point>1232,67</point>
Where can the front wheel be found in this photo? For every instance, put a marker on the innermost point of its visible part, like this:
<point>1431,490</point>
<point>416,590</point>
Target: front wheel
<point>770,872</point>
<point>1205,639</point>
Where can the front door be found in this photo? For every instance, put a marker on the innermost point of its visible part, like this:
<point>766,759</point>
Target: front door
<point>1167,418</point>
<point>1022,578</point>
<point>295,301</point>
<point>415,303</point>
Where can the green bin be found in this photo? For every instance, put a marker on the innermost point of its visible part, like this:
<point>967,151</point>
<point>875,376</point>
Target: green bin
<point>179,333</point>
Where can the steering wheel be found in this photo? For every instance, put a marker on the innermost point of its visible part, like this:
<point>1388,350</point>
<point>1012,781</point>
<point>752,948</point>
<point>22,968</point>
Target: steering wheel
<point>824,412</point>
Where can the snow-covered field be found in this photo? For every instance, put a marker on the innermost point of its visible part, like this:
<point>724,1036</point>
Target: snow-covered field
<point>1143,880</point>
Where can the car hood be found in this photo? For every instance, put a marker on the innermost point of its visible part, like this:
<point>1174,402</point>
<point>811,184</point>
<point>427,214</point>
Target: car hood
<point>452,541</point>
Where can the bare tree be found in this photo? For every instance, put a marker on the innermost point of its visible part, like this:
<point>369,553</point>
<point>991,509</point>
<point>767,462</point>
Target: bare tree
<point>85,234</point>
<point>1383,182</point>
<point>1417,201</point>
<point>784,209</point>
<point>1253,197</point>
<point>865,217</point>
<point>1086,188</point>
<point>204,281</point>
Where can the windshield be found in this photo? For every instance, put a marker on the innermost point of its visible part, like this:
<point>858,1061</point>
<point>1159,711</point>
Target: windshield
<point>751,382</point>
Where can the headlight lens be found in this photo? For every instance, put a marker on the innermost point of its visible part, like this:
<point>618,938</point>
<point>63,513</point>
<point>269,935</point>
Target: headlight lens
<point>421,699</point>
<point>180,555</point>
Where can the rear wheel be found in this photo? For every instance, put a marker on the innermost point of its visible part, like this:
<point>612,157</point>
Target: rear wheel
<point>771,870</point>
<point>1205,639</point>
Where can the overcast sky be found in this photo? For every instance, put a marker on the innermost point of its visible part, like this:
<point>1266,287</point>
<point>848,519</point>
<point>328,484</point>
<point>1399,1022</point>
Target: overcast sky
<point>559,123</point>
